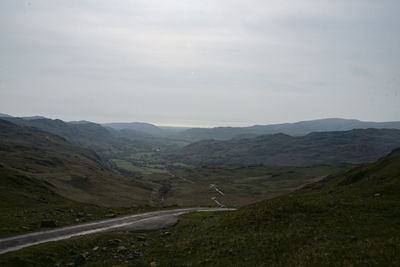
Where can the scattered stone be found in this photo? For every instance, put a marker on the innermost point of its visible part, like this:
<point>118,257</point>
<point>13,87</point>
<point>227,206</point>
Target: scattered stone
<point>70,264</point>
<point>122,249</point>
<point>48,223</point>
<point>25,228</point>
<point>145,244</point>
<point>80,260</point>
<point>114,242</point>
<point>77,220</point>
<point>166,233</point>
<point>56,265</point>
<point>80,214</point>
<point>153,263</point>
<point>95,248</point>
<point>377,195</point>
<point>230,251</point>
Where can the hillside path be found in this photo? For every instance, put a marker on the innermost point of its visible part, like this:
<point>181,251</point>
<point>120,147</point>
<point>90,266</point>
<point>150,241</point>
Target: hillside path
<point>148,221</point>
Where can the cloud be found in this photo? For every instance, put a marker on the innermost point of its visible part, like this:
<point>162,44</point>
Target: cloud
<point>235,61</point>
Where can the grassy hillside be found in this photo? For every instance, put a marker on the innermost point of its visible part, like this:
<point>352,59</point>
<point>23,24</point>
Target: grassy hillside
<point>25,202</point>
<point>108,143</point>
<point>346,220</point>
<point>72,172</point>
<point>236,185</point>
<point>355,146</point>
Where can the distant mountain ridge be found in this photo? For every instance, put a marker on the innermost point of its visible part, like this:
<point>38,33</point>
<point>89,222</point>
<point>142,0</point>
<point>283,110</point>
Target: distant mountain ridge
<point>354,146</point>
<point>294,129</point>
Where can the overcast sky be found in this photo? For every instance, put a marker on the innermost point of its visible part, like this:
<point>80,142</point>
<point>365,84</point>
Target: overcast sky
<point>200,62</point>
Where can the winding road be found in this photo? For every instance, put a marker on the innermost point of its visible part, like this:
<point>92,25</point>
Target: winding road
<point>148,221</point>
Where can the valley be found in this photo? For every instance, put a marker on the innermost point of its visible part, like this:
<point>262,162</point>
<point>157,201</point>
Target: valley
<point>289,190</point>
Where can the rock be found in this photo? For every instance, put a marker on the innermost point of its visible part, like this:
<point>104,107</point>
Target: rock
<point>153,263</point>
<point>111,215</point>
<point>114,242</point>
<point>166,233</point>
<point>145,244</point>
<point>377,195</point>
<point>25,228</point>
<point>122,249</point>
<point>70,264</point>
<point>79,260</point>
<point>80,214</point>
<point>48,223</point>
<point>230,251</point>
<point>95,248</point>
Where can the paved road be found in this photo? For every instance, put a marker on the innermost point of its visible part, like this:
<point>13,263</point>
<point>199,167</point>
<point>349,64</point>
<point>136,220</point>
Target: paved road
<point>139,222</point>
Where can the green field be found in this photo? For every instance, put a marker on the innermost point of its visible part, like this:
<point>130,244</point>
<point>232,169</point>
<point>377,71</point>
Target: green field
<point>145,163</point>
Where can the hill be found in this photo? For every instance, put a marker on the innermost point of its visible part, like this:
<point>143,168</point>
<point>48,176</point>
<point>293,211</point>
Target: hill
<point>295,129</point>
<point>355,146</point>
<point>69,171</point>
<point>106,142</point>
<point>141,127</point>
<point>347,220</point>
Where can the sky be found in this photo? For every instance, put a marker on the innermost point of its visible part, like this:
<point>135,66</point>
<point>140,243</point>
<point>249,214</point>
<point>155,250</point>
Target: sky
<point>200,63</point>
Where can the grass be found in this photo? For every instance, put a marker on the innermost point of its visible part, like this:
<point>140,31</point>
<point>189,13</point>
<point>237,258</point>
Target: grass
<point>351,219</point>
<point>145,163</point>
<point>128,166</point>
<point>241,185</point>
<point>26,201</point>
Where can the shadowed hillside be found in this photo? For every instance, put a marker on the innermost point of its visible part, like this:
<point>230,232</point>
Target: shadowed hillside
<point>72,172</point>
<point>355,146</point>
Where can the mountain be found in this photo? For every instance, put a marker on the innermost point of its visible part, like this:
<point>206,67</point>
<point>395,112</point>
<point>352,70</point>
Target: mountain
<point>355,146</point>
<point>138,127</point>
<point>28,118</point>
<point>85,134</point>
<point>69,171</point>
<point>295,129</point>
<point>3,115</point>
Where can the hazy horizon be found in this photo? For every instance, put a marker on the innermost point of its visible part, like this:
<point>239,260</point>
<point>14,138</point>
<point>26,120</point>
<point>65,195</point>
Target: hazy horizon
<point>200,63</point>
<point>188,124</point>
